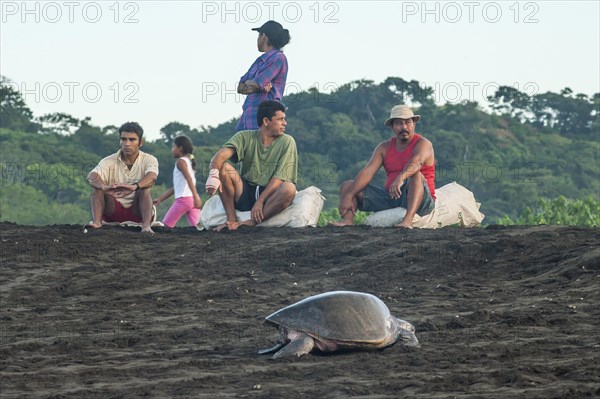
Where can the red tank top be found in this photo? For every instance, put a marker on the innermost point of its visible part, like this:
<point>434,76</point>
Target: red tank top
<point>395,161</point>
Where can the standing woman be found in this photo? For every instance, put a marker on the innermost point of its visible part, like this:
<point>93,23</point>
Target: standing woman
<point>265,80</point>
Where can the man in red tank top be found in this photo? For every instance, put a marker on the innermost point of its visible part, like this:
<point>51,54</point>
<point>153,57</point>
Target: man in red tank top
<point>409,162</point>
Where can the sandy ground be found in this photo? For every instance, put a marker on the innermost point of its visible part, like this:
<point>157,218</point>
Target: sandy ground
<point>500,312</point>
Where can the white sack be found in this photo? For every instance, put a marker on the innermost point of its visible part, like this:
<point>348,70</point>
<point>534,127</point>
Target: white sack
<point>454,205</point>
<point>304,211</point>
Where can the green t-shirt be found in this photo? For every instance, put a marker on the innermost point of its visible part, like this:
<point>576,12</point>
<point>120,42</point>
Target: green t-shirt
<point>260,164</point>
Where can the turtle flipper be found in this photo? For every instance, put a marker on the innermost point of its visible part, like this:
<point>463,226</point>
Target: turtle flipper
<point>299,346</point>
<point>275,348</point>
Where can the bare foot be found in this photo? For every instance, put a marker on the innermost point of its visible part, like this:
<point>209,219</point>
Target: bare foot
<point>342,223</point>
<point>227,226</point>
<point>405,224</point>
<point>92,225</point>
<point>232,226</point>
<point>249,223</point>
<point>221,228</point>
<point>148,230</point>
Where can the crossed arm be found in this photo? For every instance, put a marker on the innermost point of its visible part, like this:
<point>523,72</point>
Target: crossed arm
<point>250,86</point>
<point>121,189</point>
<point>267,73</point>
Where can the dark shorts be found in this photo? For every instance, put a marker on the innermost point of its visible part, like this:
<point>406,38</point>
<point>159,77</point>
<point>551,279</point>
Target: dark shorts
<point>122,214</point>
<point>378,199</point>
<point>250,194</point>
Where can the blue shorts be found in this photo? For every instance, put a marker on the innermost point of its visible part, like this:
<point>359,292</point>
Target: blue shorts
<point>378,199</point>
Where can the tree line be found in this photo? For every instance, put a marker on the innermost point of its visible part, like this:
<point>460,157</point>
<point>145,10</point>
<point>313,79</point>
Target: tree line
<point>511,152</point>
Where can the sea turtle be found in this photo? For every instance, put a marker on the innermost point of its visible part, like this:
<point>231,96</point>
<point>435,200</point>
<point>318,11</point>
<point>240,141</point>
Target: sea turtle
<point>337,320</point>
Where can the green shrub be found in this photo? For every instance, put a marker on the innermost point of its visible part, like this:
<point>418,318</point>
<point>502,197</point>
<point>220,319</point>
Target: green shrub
<point>333,215</point>
<point>560,211</point>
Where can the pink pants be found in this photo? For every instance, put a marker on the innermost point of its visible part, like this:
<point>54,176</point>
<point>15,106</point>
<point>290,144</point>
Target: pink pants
<point>181,206</point>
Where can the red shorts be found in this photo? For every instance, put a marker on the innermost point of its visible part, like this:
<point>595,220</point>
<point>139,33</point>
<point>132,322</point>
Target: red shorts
<point>122,214</point>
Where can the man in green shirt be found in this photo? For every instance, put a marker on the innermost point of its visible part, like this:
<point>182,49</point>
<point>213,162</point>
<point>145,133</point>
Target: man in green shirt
<point>267,184</point>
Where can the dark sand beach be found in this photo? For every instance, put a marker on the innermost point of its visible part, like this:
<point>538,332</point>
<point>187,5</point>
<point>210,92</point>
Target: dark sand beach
<point>501,312</point>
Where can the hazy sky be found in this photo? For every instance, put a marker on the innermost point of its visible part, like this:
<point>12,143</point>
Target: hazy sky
<point>156,61</point>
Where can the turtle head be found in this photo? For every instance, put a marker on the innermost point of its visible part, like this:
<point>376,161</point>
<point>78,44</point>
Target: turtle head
<point>406,333</point>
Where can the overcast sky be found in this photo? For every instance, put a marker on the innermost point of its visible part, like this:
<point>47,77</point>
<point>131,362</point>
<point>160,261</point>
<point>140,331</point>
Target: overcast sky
<point>155,61</point>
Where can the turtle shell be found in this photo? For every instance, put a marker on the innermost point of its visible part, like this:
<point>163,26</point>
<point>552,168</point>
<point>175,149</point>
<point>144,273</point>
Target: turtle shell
<point>337,315</point>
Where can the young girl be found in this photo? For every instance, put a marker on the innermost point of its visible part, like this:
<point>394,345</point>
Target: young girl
<point>187,199</point>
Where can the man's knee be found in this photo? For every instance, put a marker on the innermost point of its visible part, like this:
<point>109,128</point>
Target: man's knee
<point>345,185</point>
<point>228,174</point>
<point>97,193</point>
<point>100,198</point>
<point>287,192</point>
<point>416,179</point>
<point>105,203</point>
<point>142,201</point>
<point>227,167</point>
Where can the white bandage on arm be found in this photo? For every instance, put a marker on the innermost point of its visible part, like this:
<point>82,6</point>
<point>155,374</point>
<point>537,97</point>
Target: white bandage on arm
<point>213,180</point>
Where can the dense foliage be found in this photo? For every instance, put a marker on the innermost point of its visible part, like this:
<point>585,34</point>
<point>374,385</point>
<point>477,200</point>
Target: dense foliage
<point>522,149</point>
<point>560,211</point>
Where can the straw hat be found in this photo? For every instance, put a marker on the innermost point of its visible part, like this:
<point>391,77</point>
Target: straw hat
<point>401,112</point>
